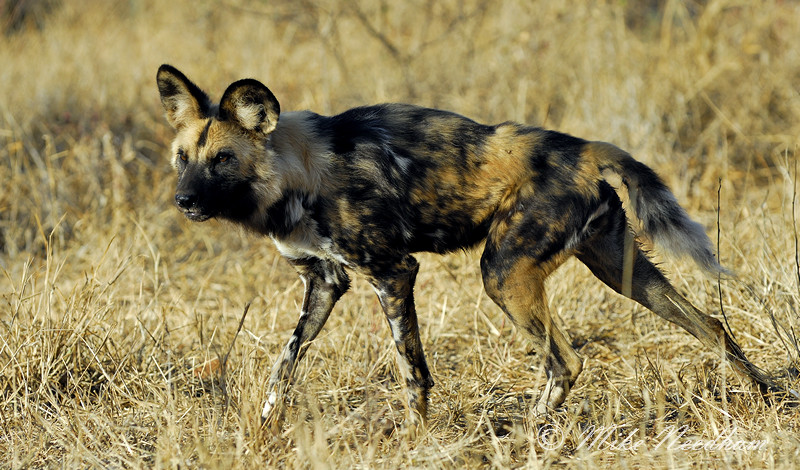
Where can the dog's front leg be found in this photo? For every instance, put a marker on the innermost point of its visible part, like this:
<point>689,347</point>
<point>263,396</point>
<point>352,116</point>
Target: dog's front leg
<point>395,288</point>
<point>325,282</point>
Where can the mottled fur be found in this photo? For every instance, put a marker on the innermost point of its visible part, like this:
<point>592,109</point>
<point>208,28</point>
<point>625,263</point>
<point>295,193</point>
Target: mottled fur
<point>365,189</point>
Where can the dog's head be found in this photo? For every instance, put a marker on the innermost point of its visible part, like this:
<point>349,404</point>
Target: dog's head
<point>220,150</point>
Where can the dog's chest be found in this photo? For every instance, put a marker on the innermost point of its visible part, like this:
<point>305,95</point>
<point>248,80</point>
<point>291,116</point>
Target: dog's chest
<point>305,241</point>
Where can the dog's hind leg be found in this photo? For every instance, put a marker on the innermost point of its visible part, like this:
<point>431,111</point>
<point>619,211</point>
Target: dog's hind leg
<point>604,254</point>
<point>325,282</point>
<point>514,269</point>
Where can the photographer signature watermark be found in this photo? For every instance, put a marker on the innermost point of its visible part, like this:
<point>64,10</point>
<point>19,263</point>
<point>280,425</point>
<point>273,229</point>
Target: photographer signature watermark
<point>626,438</point>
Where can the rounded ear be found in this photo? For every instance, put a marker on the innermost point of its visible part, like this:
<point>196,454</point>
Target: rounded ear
<point>251,104</point>
<point>182,100</point>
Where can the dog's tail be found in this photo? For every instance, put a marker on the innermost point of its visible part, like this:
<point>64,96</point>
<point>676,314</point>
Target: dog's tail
<point>661,219</point>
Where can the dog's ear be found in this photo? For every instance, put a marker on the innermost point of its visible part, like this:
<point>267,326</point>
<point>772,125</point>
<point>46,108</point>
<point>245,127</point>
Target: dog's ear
<point>249,103</point>
<point>182,100</point>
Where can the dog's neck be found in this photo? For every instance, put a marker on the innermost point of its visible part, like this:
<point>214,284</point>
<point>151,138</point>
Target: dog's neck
<point>301,159</point>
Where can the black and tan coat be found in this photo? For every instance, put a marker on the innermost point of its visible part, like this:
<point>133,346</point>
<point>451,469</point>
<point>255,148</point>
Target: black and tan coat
<point>365,189</point>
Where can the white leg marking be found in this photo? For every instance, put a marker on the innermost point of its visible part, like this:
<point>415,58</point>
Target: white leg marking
<point>269,405</point>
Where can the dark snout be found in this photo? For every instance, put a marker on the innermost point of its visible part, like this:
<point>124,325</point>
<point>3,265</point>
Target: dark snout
<point>185,200</point>
<point>188,203</point>
<point>188,194</point>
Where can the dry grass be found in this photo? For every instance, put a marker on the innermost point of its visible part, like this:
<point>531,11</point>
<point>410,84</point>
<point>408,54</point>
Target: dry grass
<point>109,300</point>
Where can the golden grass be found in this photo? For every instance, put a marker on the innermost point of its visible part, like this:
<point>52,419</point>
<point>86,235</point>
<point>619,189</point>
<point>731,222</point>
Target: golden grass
<point>111,302</point>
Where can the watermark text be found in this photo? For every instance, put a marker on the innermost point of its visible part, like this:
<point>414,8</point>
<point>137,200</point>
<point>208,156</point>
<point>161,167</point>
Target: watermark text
<point>632,439</point>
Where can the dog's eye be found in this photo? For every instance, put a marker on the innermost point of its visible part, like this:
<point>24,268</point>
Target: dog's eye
<point>224,156</point>
<point>182,155</point>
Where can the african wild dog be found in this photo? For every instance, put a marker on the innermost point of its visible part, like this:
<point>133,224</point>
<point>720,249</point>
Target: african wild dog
<point>365,189</point>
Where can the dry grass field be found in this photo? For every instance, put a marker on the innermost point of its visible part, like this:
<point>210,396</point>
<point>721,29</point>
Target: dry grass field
<point>120,344</point>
